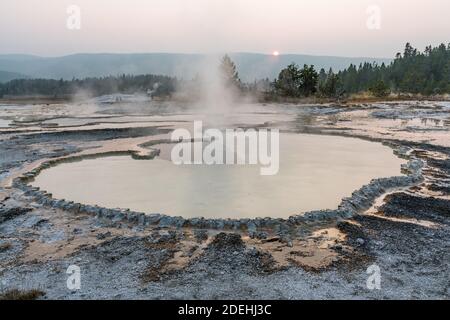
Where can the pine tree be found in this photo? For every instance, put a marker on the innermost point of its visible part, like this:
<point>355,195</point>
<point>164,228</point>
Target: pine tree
<point>380,89</point>
<point>331,86</point>
<point>228,73</point>
<point>289,81</point>
<point>309,79</point>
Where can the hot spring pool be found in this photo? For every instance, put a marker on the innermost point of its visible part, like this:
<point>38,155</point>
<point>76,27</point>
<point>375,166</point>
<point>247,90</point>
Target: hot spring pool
<point>316,172</point>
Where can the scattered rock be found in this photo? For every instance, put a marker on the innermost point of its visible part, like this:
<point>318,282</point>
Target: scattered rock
<point>102,236</point>
<point>201,235</point>
<point>227,240</point>
<point>261,235</point>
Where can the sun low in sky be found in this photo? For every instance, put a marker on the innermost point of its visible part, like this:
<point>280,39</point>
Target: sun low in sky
<point>320,27</point>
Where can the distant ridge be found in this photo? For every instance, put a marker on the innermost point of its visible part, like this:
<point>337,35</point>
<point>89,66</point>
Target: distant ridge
<point>251,66</point>
<point>6,76</point>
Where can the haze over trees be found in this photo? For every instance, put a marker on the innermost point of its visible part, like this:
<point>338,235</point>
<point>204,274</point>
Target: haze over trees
<point>251,66</point>
<point>412,71</point>
<point>156,85</point>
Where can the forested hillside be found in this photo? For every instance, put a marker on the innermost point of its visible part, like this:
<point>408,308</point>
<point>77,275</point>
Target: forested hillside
<point>412,71</point>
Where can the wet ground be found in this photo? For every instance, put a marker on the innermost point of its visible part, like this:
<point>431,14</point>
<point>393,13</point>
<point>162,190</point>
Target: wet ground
<point>405,232</point>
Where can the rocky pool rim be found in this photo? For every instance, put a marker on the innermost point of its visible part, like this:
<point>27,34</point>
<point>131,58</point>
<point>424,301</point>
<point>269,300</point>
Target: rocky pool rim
<point>360,200</point>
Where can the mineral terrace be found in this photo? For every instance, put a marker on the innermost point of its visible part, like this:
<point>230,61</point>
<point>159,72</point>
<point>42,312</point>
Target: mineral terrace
<point>400,224</point>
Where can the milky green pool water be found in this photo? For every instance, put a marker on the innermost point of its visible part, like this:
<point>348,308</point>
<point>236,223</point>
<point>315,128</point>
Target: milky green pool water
<point>316,172</point>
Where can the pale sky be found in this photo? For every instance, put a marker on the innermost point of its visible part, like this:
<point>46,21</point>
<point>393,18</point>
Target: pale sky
<point>319,27</point>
